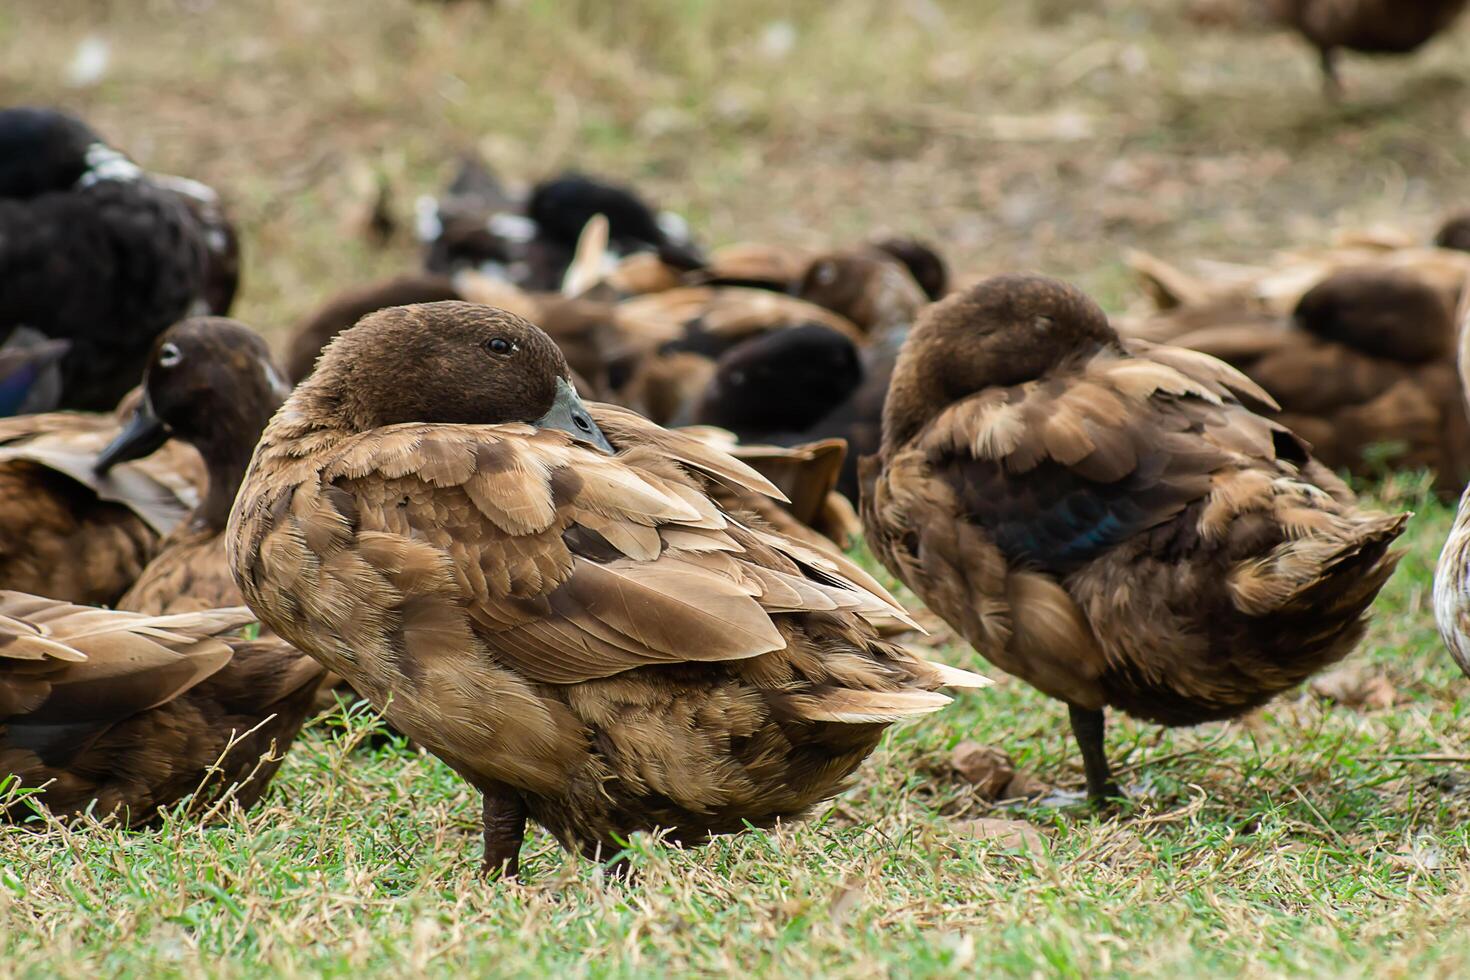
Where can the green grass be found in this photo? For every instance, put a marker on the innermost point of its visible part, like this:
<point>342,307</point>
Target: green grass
<point>1309,839</point>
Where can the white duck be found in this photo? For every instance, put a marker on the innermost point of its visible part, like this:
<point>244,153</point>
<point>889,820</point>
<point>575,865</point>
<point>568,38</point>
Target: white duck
<point>1452,576</point>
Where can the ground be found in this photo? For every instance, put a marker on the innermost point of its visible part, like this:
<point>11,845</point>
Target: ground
<point>1314,837</point>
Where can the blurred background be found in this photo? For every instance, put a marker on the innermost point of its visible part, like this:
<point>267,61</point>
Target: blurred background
<point>1047,135</point>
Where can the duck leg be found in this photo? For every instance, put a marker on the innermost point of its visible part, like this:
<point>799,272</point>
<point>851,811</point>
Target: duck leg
<point>1331,81</point>
<point>1087,728</point>
<point>505,829</point>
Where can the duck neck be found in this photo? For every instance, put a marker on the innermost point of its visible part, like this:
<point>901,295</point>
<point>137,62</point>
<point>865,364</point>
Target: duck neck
<point>227,449</point>
<point>226,467</point>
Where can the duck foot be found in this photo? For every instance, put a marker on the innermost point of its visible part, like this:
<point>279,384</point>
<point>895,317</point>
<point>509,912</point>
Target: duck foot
<point>1087,728</point>
<point>505,829</point>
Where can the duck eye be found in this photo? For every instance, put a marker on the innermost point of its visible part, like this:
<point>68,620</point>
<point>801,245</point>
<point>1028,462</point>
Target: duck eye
<point>826,274</point>
<point>169,355</point>
<point>500,346</point>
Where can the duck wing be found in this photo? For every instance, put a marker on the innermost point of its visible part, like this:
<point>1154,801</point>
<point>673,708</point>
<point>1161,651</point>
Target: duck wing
<point>68,672</point>
<point>1060,471</point>
<point>570,564</point>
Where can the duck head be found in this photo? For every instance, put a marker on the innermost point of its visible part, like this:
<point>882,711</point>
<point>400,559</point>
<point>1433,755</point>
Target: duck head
<point>212,383</point>
<point>450,362</point>
<point>1001,332</point>
<point>782,382</point>
<point>1455,233</point>
<point>41,151</point>
<point>1381,312</point>
<point>870,287</point>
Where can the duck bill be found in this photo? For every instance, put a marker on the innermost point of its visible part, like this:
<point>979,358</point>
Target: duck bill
<point>143,434</point>
<point>569,414</point>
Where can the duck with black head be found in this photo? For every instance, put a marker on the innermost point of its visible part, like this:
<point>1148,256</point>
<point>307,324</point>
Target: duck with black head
<point>543,593</point>
<point>774,387</point>
<point>211,383</point>
<point>1106,519</point>
<point>95,251</point>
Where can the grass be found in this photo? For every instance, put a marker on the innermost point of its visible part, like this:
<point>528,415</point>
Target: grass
<point>1310,838</point>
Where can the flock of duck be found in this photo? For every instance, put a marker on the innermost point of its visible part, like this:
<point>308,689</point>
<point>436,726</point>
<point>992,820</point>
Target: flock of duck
<point>569,506</point>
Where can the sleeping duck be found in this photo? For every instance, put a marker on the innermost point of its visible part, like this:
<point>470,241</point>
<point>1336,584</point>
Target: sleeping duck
<point>802,385</point>
<point>127,715</point>
<point>66,532</point>
<point>869,286</point>
<point>544,595</point>
<point>1362,370</point>
<point>1369,26</point>
<point>478,225</point>
<point>1107,521</point>
<point>210,383</point>
<point>673,339</point>
<point>92,250</point>
<point>1454,233</point>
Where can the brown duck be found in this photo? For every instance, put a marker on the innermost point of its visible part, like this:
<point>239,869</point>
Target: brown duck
<point>869,286</point>
<point>1362,371</point>
<point>1369,26</point>
<point>211,383</point>
<point>544,595</point>
<point>69,534</point>
<point>1105,519</point>
<point>127,714</point>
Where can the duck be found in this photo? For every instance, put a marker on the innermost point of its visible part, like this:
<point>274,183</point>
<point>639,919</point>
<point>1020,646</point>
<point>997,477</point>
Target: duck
<point>922,260</point>
<point>531,240</point>
<point>211,383</point>
<point>1108,519</point>
<point>671,341</point>
<point>871,286</point>
<point>1361,370</point>
<point>1454,233</point>
<point>774,386</point>
<point>561,207</point>
<point>66,532</point>
<point>803,385</point>
<point>93,251</point>
<point>1452,571</point>
<point>474,225</point>
<point>1369,26</point>
<point>543,594</point>
<point>126,715</point>
<point>1353,344</point>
